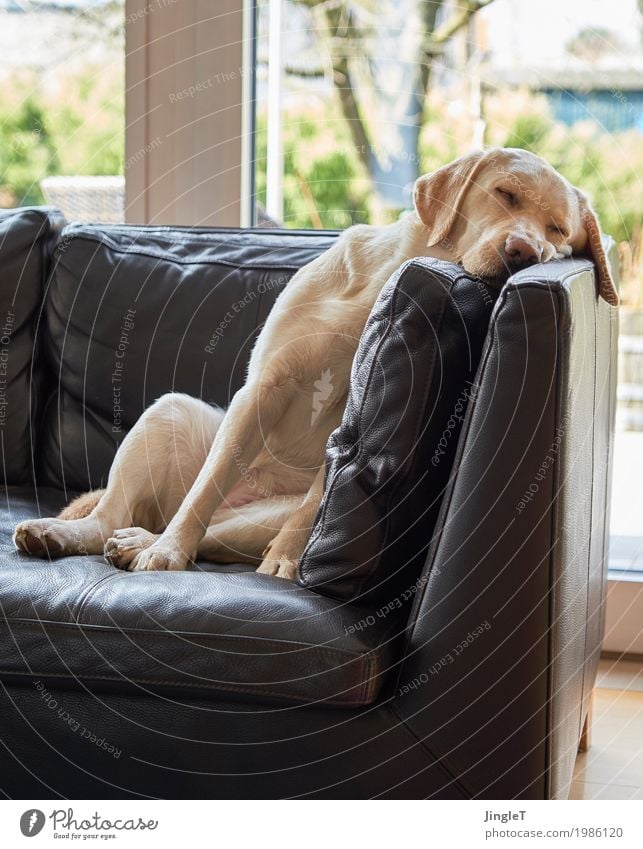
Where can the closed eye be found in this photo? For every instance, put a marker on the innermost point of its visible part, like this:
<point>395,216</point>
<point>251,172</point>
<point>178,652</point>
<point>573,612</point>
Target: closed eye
<point>558,231</point>
<point>508,197</point>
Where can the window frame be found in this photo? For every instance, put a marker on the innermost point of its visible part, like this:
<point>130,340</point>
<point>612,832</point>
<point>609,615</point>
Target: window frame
<point>175,54</point>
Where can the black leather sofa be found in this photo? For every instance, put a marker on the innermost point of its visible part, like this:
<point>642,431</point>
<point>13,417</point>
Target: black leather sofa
<point>442,638</point>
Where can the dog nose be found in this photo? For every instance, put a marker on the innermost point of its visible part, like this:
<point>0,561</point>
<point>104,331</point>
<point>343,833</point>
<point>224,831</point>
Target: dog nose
<point>521,251</point>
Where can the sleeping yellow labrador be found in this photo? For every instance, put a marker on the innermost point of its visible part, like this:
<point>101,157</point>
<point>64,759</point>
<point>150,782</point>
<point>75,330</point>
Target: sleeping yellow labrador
<point>191,481</point>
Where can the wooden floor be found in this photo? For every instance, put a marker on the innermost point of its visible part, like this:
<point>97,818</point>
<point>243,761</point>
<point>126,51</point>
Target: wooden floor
<point>612,768</point>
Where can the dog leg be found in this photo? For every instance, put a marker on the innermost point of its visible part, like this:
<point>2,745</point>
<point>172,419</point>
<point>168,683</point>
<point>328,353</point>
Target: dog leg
<point>235,536</point>
<point>281,556</point>
<point>254,411</point>
<point>240,536</point>
<point>154,467</point>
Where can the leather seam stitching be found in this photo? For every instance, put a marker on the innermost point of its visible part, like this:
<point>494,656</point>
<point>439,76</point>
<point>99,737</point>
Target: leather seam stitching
<point>371,655</point>
<point>205,686</point>
<point>81,603</point>
<point>435,759</point>
<point>553,581</point>
<point>186,262</point>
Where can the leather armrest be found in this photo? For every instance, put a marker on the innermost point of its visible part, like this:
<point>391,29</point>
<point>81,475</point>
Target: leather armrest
<point>504,639</point>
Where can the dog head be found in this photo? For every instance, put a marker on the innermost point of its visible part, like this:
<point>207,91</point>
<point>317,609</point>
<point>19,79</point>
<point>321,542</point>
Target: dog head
<point>498,211</point>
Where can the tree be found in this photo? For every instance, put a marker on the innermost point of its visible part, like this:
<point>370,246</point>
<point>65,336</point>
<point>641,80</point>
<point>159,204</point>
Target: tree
<point>592,43</point>
<point>105,16</point>
<point>74,128</point>
<point>350,43</point>
<point>26,153</point>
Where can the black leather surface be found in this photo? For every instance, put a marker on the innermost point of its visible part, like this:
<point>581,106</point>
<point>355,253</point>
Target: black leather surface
<point>500,631</point>
<point>388,462</point>
<point>173,748</point>
<point>26,236</point>
<point>581,518</point>
<point>214,630</point>
<point>133,313</point>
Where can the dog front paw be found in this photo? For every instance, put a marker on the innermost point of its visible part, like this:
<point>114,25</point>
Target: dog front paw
<point>124,547</point>
<point>40,538</point>
<point>280,565</point>
<point>160,559</point>
<point>49,538</point>
<point>281,568</point>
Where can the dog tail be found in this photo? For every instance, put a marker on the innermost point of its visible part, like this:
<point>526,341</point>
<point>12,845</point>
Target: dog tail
<point>82,506</point>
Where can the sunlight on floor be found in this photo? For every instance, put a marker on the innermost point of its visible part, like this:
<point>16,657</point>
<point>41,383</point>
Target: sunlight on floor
<point>613,766</point>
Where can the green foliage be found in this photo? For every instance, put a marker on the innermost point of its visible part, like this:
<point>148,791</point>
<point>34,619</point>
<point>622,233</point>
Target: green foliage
<point>608,168</point>
<point>528,132</point>
<point>77,128</point>
<point>26,150</point>
<point>593,42</point>
<point>322,184</point>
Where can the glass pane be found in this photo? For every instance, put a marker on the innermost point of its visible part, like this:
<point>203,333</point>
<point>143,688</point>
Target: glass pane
<point>626,543</point>
<point>340,100</point>
<point>355,98</point>
<point>62,106</point>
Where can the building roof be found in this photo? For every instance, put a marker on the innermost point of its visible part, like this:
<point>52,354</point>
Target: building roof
<point>574,78</point>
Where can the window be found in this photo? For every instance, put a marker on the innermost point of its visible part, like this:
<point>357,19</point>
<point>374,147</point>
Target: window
<point>62,106</point>
<point>343,124</point>
<point>355,99</point>
<point>626,549</point>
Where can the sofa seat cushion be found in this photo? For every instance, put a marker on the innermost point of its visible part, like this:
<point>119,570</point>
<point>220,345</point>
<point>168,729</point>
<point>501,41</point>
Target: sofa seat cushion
<point>215,630</point>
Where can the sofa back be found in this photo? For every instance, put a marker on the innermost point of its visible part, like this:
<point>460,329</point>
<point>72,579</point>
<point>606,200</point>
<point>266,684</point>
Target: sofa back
<point>134,312</point>
<point>26,240</point>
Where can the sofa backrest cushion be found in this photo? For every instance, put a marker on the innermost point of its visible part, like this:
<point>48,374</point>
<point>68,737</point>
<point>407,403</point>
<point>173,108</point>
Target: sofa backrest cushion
<point>388,462</point>
<point>26,237</point>
<point>134,312</point>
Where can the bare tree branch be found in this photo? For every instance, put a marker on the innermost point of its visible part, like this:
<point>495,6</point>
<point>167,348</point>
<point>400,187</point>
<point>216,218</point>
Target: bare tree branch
<point>340,27</point>
<point>459,19</point>
<point>429,14</point>
<point>344,40</point>
<point>305,73</point>
<point>106,16</point>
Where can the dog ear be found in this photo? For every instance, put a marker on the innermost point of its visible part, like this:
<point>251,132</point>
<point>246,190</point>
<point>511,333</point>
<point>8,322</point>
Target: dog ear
<point>438,196</point>
<point>595,251</point>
